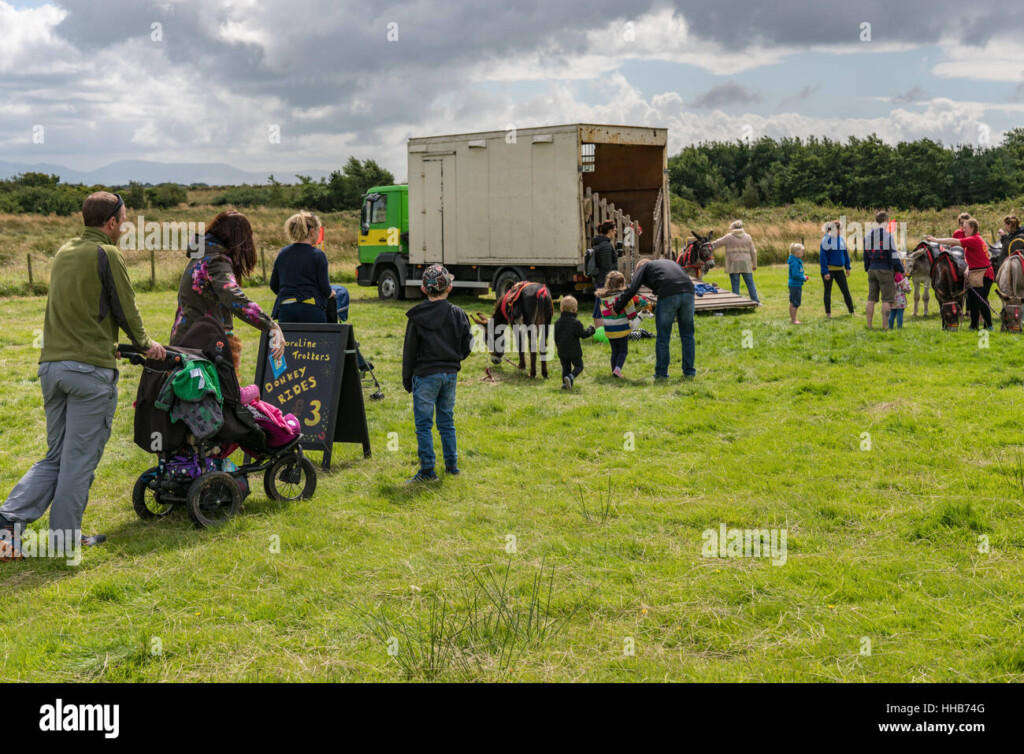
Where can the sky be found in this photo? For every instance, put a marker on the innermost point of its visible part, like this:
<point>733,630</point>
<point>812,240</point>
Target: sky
<point>297,85</point>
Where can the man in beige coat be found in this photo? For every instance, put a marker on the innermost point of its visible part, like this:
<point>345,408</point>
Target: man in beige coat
<point>740,258</point>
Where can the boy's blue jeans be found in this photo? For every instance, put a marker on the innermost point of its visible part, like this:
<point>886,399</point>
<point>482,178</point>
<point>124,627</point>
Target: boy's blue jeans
<point>748,278</point>
<point>677,308</point>
<point>435,390</point>
<point>896,318</point>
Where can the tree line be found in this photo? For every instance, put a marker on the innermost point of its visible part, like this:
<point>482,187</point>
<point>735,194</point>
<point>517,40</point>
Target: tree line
<point>41,193</point>
<point>865,173</point>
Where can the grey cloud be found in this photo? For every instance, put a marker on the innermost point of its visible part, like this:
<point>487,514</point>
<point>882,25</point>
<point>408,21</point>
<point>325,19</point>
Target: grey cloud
<point>803,23</point>
<point>914,94</point>
<point>725,95</point>
<point>334,53</point>
<point>800,96</point>
<point>329,53</point>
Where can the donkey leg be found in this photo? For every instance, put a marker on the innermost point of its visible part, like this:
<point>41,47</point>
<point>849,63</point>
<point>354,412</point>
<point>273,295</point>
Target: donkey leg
<point>544,353</point>
<point>531,344</point>
<point>917,296</point>
<point>927,287</point>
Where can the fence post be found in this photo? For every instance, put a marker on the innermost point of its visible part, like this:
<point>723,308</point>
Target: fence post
<point>263,263</point>
<point>28,258</point>
<point>152,269</point>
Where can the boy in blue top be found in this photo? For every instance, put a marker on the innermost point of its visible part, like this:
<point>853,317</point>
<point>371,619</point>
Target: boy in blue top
<point>797,278</point>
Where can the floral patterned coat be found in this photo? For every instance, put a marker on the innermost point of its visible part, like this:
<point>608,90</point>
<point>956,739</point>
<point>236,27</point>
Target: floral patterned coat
<point>208,288</point>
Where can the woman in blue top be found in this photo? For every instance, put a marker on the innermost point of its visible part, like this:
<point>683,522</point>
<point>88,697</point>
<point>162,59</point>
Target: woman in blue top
<point>834,261</point>
<point>300,274</point>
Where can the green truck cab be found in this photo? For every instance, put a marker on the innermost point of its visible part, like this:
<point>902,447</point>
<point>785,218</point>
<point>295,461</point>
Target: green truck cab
<point>384,240</point>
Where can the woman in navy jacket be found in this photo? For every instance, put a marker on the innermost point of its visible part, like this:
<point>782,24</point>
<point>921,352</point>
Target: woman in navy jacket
<point>834,261</point>
<point>300,274</point>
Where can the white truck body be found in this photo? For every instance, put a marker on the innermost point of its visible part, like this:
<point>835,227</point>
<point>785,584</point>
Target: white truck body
<point>523,198</point>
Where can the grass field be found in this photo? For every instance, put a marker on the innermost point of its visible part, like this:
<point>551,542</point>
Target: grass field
<point>904,560</point>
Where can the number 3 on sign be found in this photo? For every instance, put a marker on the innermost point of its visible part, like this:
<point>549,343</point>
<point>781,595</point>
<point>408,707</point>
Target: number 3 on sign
<point>314,407</point>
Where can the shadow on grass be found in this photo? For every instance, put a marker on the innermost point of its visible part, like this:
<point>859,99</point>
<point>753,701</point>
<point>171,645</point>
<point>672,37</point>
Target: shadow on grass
<point>400,492</point>
<point>130,540</point>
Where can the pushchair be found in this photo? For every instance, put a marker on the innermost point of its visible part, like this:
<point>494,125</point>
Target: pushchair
<point>196,471</point>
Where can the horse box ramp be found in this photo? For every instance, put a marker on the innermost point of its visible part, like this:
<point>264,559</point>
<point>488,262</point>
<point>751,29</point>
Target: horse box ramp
<point>523,196</point>
<point>711,302</point>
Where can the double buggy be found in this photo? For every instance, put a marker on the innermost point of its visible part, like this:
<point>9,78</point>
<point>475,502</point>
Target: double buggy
<point>190,412</point>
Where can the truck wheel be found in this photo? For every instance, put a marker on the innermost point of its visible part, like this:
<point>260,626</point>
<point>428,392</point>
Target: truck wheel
<point>505,281</point>
<point>388,286</point>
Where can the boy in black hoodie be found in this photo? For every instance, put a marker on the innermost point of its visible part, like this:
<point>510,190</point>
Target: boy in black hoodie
<point>437,339</point>
<point>568,334</point>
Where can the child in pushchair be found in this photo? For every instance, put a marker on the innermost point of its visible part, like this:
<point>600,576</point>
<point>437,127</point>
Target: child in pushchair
<point>190,412</point>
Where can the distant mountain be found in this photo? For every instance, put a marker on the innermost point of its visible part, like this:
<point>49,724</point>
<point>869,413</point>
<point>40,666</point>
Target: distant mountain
<point>122,172</point>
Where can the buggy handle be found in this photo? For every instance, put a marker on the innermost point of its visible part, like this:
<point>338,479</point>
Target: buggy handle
<point>137,356</point>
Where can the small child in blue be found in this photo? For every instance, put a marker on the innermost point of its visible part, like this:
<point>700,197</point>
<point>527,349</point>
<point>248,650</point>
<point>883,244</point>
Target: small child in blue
<point>797,278</point>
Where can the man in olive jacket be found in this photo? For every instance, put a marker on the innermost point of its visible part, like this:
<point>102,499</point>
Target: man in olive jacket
<point>90,300</point>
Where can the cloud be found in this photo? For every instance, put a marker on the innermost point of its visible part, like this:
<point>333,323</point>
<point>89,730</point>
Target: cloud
<point>30,45</point>
<point>725,95</point>
<point>224,74</point>
<point>1000,58</point>
<point>801,23</point>
<point>805,93</point>
<point>914,94</point>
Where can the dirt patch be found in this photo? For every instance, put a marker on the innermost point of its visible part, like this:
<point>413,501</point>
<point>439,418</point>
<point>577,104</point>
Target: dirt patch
<point>888,407</point>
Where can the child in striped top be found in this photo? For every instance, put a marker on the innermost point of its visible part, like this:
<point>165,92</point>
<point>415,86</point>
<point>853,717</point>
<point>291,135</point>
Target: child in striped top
<point>616,325</point>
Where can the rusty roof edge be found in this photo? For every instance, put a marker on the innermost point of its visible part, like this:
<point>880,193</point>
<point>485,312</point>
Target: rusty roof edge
<point>662,131</point>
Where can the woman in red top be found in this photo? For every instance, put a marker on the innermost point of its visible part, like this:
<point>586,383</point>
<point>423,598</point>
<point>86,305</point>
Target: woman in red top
<point>960,220</point>
<point>979,270</point>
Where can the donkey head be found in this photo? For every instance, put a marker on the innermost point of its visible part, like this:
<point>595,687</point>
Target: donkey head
<point>952,313</point>
<point>1011,315</point>
<point>701,253</point>
<point>495,345</point>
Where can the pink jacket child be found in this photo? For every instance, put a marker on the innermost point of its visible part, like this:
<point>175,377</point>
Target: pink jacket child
<point>281,428</point>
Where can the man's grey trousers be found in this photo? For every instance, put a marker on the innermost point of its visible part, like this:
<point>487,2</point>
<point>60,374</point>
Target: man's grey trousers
<point>79,400</point>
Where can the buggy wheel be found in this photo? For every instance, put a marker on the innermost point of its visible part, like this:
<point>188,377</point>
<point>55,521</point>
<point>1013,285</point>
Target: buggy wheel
<point>213,498</point>
<point>290,478</point>
<point>145,500</point>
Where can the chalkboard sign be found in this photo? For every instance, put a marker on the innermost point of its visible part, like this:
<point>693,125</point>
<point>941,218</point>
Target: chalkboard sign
<point>319,385</point>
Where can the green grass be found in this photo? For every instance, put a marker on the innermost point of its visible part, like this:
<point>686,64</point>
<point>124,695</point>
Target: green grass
<point>521,570</point>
